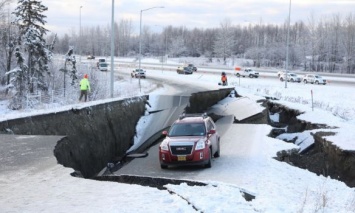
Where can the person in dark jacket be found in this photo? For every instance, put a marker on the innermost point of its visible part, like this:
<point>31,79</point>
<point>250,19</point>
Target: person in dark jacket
<point>224,79</point>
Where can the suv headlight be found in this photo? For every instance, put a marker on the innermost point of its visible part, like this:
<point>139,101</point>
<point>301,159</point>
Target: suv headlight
<point>164,146</point>
<point>200,144</point>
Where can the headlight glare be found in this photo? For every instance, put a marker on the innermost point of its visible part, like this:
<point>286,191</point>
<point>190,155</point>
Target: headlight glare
<point>200,145</point>
<point>164,146</point>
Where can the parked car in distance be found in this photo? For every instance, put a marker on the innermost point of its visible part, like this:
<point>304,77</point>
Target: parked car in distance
<point>103,66</point>
<point>291,77</point>
<point>192,67</point>
<point>279,73</point>
<point>191,140</point>
<point>184,70</point>
<point>138,73</point>
<point>101,60</point>
<point>91,57</point>
<point>314,79</point>
<point>246,73</point>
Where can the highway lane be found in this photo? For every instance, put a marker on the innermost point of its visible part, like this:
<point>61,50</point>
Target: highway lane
<point>270,73</point>
<point>332,78</point>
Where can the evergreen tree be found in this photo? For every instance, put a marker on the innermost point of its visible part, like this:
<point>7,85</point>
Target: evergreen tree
<point>19,76</point>
<point>30,21</point>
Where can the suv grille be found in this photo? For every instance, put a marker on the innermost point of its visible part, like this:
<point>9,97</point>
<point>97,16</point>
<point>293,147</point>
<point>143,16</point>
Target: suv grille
<point>181,150</point>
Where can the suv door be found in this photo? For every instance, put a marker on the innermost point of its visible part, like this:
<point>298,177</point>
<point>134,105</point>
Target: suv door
<point>213,138</point>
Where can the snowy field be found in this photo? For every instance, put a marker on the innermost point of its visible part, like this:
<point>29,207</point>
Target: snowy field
<point>278,187</point>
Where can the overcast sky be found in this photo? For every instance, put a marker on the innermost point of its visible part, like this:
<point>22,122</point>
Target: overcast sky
<point>63,16</point>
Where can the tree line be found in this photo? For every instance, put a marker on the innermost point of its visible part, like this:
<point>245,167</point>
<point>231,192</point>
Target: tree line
<point>320,45</point>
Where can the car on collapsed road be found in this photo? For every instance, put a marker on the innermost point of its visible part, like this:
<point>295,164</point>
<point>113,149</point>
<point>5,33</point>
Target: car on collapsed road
<point>191,140</point>
<point>138,73</point>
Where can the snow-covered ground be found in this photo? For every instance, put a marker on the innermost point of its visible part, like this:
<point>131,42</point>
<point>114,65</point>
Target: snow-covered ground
<point>278,187</point>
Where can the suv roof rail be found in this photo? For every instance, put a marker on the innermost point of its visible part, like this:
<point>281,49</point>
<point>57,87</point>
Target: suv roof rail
<point>184,115</point>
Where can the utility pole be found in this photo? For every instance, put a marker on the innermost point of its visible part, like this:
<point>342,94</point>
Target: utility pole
<point>112,48</point>
<point>288,41</point>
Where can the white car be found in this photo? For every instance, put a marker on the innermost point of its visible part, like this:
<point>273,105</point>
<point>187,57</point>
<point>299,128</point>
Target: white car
<point>314,79</point>
<point>138,73</point>
<point>247,73</point>
<point>279,73</point>
<point>103,66</point>
<point>291,77</point>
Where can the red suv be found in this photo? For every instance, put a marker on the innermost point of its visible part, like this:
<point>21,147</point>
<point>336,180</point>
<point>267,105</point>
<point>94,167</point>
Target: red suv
<point>191,140</point>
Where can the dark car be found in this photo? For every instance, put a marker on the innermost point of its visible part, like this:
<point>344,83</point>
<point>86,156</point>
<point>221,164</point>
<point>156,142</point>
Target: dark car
<point>191,140</point>
<point>192,67</point>
<point>101,60</point>
<point>184,70</point>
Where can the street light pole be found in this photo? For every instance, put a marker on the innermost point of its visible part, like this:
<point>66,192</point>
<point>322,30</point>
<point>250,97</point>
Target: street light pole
<point>166,45</point>
<point>140,41</point>
<point>288,41</point>
<point>112,47</point>
<point>79,49</point>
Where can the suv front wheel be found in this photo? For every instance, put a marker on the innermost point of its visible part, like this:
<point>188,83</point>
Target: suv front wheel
<point>209,163</point>
<point>217,153</point>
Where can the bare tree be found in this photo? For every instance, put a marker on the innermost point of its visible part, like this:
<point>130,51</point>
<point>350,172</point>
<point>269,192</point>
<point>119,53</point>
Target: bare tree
<point>177,47</point>
<point>7,41</point>
<point>224,42</point>
<point>125,32</point>
<point>349,43</point>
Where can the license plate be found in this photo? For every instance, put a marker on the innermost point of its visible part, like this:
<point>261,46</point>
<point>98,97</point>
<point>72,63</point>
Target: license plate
<point>182,158</point>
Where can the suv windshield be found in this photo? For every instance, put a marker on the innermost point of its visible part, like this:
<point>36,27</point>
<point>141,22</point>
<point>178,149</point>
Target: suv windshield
<point>187,129</point>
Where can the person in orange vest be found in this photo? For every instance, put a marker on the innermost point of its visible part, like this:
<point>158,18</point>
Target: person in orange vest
<point>224,79</point>
<point>84,87</point>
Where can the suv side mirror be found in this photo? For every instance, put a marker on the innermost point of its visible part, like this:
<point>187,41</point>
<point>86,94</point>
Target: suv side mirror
<point>212,131</point>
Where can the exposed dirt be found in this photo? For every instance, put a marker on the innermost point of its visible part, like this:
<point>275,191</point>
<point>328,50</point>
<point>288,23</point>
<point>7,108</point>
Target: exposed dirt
<point>322,158</point>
